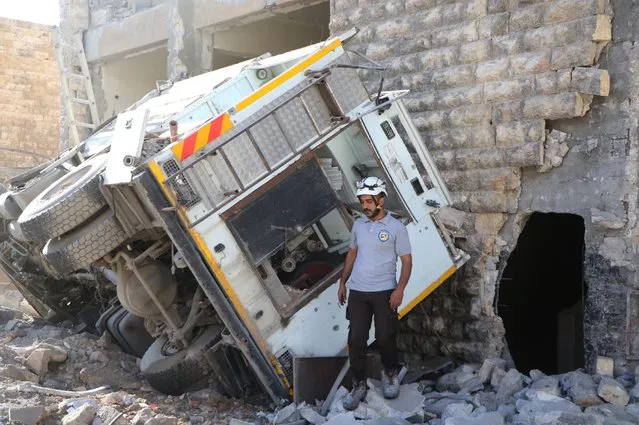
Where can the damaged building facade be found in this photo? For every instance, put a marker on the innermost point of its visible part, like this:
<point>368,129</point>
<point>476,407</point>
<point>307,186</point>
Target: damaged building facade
<point>530,110</point>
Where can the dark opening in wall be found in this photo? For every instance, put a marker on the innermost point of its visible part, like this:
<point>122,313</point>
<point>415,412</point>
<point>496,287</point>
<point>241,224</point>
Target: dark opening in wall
<point>541,296</point>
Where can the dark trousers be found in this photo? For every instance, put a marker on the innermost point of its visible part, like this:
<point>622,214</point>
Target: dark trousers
<point>362,308</point>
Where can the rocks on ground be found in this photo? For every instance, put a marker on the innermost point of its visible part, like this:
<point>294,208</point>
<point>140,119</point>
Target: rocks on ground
<point>34,353</point>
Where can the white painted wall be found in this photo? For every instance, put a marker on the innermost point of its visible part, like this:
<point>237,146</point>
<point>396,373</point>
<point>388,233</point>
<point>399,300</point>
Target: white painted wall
<point>125,81</point>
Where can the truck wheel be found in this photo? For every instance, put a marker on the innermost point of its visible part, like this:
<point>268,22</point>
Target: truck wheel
<point>85,245</point>
<point>65,204</point>
<point>175,373</point>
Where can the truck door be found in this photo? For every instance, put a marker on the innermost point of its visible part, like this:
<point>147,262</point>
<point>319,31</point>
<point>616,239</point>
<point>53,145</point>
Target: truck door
<point>419,185</point>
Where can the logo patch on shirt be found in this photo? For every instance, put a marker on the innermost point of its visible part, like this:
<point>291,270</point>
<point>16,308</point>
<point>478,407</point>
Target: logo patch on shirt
<point>383,235</point>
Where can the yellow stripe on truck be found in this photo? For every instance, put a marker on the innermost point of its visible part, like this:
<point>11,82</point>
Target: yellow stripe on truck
<point>287,75</point>
<point>448,273</point>
<point>217,272</point>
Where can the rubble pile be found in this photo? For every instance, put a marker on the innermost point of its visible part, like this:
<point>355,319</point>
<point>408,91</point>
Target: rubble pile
<point>488,394</point>
<point>63,375</point>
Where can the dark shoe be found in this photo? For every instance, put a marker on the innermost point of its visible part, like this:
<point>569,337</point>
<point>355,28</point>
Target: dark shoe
<point>357,394</point>
<point>390,383</point>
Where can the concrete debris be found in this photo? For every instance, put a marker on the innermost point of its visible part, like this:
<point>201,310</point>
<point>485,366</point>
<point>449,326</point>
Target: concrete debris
<point>536,374</point>
<point>613,392</point>
<point>142,416</point>
<point>18,373</point>
<point>605,366</point>
<point>491,418</point>
<point>547,384</point>
<point>311,415</point>
<point>162,420</point>
<point>27,415</point>
<point>510,384</point>
<point>486,371</point>
<point>39,358</point>
<point>568,418</point>
<point>455,410</point>
<point>287,415</point>
<point>81,416</point>
<point>498,375</point>
<point>492,393</point>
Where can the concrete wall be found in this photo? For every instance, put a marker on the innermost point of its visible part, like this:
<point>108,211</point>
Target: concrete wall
<point>124,81</point>
<point>29,95</point>
<point>510,97</point>
<point>195,36</point>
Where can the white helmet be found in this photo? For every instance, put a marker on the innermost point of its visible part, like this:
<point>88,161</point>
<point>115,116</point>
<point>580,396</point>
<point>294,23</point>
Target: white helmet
<point>370,186</point>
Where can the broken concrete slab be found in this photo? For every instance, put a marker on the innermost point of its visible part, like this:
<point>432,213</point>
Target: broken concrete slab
<point>536,374</point>
<point>507,411</point>
<point>488,399</point>
<point>142,416</point>
<point>491,418</point>
<point>568,418</point>
<point>541,402</point>
<point>613,392</point>
<point>547,384</point>
<point>605,366</point>
<point>611,412</point>
<point>311,415</point>
<point>388,421</point>
<point>408,402</point>
<point>457,410</point>
<point>343,419</point>
<point>18,373</point>
<point>286,415</point>
<point>83,415</point>
<point>486,370</point>
<point>39,358</point>
<point>498,376</point>
<point>584,397</point>
<point>27,415</point>
<point>510,384</point>
<point>162,420</point>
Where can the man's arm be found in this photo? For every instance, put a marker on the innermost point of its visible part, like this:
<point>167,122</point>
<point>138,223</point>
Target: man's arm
<point>403,250</point>
<point>407,268</point>
<point>348,265</point>
<point>346,273</point>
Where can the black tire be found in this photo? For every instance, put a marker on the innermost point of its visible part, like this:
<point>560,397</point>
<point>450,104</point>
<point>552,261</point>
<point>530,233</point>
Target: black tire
<point>177,373</point>
<point>65,204</point>
<point>85,245</point>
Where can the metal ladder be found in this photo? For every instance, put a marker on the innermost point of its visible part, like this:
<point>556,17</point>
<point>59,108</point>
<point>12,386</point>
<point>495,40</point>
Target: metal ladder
<point>66,75</point>
<point>257,146</point>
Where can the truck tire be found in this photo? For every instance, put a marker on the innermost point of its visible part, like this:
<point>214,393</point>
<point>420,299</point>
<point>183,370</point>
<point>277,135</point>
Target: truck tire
<point>85,245</point>
<point>65,204</point>
<point>175,374</point>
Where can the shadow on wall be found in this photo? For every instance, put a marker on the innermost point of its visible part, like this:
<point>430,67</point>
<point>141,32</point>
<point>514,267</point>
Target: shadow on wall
<point>541,295</point>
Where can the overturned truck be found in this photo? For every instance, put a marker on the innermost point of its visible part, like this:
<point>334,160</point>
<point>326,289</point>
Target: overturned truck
<point>205,226</point>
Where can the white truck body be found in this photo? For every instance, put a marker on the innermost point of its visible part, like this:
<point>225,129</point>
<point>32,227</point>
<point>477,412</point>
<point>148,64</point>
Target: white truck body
<point>222,214</point>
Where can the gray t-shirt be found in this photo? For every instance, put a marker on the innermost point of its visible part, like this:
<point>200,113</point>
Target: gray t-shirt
<point>379,244</point>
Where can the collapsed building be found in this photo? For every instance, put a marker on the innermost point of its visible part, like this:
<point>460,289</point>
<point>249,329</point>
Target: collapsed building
<point>529,108</point>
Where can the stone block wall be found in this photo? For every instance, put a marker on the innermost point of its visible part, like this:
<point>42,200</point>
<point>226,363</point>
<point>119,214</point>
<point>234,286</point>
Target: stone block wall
<point>488,78</point>
<point>29,95</point>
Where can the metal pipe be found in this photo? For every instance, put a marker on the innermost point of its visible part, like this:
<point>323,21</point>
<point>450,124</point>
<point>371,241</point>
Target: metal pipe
<point>173,129</point>
<point>110,275</point>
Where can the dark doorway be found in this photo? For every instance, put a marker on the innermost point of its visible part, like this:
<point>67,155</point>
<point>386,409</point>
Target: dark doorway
<point>541,295</point>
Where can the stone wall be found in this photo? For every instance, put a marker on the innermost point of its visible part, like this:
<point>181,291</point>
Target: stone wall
<point>29,95</point>
<point>497,89</point>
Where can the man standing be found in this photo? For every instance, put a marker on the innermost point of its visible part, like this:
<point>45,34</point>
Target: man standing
<point>370,270</point>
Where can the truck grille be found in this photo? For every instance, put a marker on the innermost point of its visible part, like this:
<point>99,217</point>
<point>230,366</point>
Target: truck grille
<point>181,187</point>
<point>286,363</point>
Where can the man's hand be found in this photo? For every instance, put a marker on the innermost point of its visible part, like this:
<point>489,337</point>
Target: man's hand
<point>396,298</point>
<point>341,294</point>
